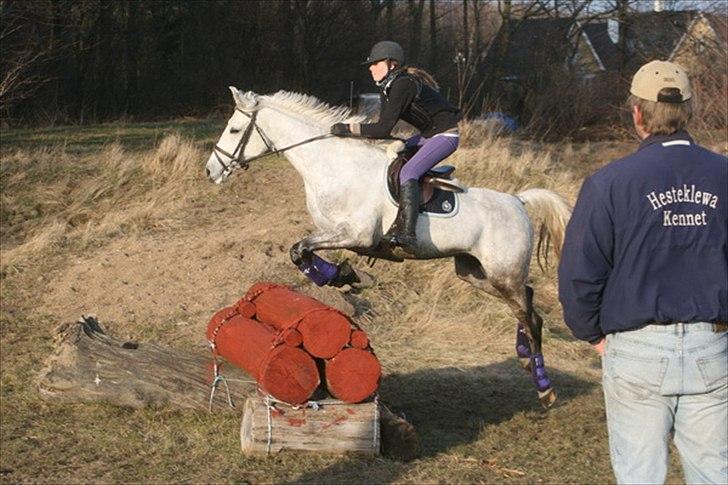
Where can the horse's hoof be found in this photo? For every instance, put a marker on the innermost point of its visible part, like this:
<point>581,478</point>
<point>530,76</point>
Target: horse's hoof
<point>296,254</point>
<point>547,398</point>
<point>365,280</point>
<point>525,363</point>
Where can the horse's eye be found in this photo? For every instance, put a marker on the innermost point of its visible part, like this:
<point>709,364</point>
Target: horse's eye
<point>234,130</point>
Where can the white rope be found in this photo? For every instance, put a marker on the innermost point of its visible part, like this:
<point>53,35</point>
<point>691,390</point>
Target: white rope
<point>270,423</point>
<point>376,424</point>
<point>215,382</point>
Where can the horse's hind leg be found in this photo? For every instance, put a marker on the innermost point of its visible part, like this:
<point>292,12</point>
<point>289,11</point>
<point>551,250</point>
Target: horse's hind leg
<point>520,299</point>
<point>530,323</point>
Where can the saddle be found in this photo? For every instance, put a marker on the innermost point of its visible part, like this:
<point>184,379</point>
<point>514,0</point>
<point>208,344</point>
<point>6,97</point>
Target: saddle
<point>437,178</point>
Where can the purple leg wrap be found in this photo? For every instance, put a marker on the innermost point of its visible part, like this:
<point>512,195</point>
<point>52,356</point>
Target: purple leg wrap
<point>538,372</point>
<point>433,151</point>
<point>523,349</point>
<point>318,270</point>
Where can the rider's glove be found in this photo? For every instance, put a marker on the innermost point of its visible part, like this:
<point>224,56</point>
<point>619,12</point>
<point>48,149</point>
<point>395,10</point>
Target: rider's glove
<point>341,129</point>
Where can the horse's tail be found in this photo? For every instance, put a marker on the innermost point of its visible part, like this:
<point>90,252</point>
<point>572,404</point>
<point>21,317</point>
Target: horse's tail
<point>554,213</point>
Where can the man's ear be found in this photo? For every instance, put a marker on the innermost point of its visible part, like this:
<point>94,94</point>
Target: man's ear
<point>637,115</point>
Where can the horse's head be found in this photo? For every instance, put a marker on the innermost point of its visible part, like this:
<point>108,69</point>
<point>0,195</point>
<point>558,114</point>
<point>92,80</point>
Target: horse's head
<point>241,140</point>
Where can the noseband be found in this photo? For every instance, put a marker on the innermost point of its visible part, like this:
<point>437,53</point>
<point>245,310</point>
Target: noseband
<point>235,159</point>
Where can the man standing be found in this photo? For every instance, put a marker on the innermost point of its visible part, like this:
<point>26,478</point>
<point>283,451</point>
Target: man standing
<point>644,278</point>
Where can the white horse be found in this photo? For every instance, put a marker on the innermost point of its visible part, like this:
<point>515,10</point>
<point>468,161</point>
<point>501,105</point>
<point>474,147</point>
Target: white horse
<point>490,236</point>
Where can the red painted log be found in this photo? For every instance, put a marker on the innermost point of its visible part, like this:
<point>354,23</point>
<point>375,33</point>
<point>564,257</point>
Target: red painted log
<point>246,308</point>
<point>359,339</point>
<point>291,337</point>
<point>353,375</point>
<point>325,330</point>
<point>285,372</point>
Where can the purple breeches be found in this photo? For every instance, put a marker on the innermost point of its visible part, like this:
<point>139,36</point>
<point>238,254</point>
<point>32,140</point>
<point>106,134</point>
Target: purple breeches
<point>431,152</point>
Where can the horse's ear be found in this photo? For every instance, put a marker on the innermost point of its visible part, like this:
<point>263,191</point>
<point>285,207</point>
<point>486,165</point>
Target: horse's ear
<point>250,99</point>
<point>244,101</point>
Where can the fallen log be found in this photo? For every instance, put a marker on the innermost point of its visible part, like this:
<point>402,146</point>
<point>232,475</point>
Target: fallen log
<point>87,365</point>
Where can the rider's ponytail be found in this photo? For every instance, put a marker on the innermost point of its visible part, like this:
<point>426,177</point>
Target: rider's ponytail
<point>423,76</point>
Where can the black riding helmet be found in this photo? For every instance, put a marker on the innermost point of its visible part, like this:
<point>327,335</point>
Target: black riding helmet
<point>386,49</point>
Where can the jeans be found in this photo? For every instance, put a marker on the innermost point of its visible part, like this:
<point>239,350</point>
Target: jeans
<point>431,152</point>
<point>665,380</point>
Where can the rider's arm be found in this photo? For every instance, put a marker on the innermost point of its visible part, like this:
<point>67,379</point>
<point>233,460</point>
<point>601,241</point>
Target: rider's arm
<point>402,92</point>
<point>586,263</point>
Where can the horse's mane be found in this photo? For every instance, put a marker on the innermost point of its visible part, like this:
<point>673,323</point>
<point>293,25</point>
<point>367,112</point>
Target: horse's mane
<point>313,108</point>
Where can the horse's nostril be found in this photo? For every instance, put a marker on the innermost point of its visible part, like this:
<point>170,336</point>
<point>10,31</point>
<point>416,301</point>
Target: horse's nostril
<point>207,172</point>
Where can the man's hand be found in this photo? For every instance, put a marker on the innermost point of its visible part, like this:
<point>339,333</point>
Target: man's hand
<point>599,346</point>
<point>341,129</point>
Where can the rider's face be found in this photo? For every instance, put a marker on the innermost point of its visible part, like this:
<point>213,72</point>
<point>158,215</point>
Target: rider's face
<point>379,69</point>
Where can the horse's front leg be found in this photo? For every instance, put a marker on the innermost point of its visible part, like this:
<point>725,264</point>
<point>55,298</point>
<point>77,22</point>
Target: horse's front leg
<point>323,272</point>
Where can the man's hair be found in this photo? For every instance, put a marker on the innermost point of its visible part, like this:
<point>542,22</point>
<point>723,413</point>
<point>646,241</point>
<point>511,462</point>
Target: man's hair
<point>661,118</point>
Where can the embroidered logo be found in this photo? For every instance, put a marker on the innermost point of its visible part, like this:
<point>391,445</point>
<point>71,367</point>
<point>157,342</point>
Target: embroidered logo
<point>684,194</point>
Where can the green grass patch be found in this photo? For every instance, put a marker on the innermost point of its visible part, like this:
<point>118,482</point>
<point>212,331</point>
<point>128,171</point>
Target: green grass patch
<point>91,138</point>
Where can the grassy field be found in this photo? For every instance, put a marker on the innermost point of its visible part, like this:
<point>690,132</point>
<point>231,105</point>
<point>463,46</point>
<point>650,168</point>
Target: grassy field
<point>118,220</point>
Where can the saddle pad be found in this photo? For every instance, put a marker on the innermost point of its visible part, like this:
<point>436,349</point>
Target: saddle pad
<point>442,203</point>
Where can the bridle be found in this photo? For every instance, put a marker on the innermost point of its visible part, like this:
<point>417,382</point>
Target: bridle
<point>235,159</point>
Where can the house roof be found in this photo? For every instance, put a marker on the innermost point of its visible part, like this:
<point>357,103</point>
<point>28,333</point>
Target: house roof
<point>533,41</point>
<point>598,34</point>
<point>719,23</point>
<point>648,36</point>
<point>654,35</point>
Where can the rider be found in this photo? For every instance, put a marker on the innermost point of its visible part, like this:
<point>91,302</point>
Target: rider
<point>412,95</point>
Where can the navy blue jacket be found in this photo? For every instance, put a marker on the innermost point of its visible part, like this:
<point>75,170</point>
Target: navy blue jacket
<point>647,241</point>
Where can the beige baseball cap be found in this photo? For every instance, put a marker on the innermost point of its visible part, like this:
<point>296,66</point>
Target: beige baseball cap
<point>661,81</point>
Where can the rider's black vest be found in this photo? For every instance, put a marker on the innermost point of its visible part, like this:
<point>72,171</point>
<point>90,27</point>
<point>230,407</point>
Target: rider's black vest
<point>429,112</point>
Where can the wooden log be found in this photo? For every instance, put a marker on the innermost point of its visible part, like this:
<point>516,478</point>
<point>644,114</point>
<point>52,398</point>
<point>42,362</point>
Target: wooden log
<point>359,339</point>
<point>325,330</point>
<point>88,365</point>
<point>335,427</point>
<point>353,375</point>
<point>285,372</point>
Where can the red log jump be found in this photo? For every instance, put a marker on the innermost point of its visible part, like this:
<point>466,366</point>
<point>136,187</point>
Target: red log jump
<point>325,331</point>
<point>285,372</point>
<point>263,333</point>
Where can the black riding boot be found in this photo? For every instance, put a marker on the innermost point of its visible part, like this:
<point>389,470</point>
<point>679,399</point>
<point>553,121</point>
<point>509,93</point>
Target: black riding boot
<point>409,209</point>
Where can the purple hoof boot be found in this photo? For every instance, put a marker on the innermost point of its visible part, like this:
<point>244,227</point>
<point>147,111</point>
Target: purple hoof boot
<point>523,349</point>
<point>538,373</point>
<point>318,270</point>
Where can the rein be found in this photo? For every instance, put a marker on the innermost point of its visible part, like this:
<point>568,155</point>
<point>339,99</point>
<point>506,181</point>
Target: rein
<point>236,157</point>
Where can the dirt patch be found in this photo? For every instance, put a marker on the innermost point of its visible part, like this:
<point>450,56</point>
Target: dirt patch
<point>167,285</point>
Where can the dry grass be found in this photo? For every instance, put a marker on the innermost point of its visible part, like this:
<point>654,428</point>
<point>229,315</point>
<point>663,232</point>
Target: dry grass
<point>52,200</point>
<point>173,248</point>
